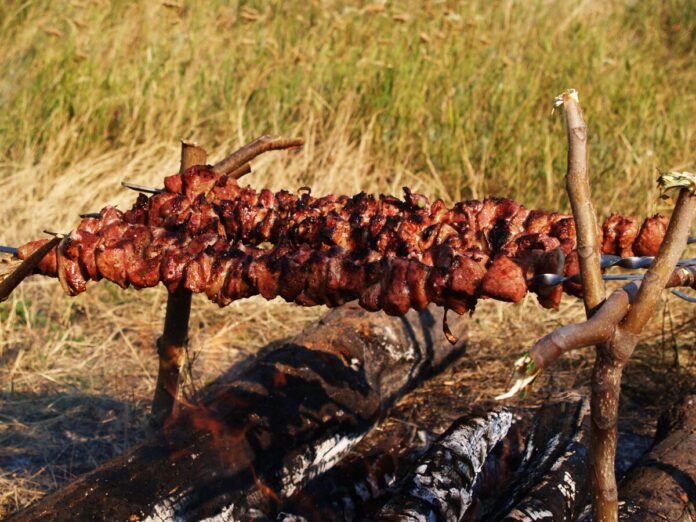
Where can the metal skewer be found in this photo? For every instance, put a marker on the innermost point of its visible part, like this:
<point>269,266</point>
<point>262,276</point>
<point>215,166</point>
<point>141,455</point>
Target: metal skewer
<point>95,215</point>
<point>555,279</point>
<point>59,235</point>
<point>142,188</point>
<point>684,295</point>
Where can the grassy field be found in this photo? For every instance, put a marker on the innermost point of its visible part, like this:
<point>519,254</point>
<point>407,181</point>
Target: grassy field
<point>451,98</point>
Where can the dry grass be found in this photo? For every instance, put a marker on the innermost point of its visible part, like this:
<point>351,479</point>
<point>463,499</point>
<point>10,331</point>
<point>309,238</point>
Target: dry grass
<point>451,98</point>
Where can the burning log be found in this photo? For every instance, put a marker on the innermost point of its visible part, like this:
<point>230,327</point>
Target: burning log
<point>556,429</point>
<point>535,445</point>
<point>257,438</point>
<point>662,485</point>
<point>440,485</point>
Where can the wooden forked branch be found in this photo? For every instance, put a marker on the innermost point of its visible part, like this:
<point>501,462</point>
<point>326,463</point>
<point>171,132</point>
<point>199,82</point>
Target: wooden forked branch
<point>171,346</point>
<point>614,324</point>
<point>237,163</point>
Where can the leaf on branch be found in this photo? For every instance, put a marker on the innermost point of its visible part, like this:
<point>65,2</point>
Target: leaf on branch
<point>525,373</point>
<point>677,180</point>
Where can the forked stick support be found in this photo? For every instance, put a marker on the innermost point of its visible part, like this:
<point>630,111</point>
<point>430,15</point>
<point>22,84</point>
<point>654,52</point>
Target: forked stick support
<point>171,346</point>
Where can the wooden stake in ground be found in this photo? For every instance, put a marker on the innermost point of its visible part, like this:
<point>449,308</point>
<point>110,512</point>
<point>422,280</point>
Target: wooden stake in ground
<point>619,320</point>
<point>612,356</point>
<point>171,346</point>
<point>602,432</point>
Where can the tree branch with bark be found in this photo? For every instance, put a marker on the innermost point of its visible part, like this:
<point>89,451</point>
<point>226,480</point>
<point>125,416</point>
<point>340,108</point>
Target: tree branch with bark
<point>613,324</point>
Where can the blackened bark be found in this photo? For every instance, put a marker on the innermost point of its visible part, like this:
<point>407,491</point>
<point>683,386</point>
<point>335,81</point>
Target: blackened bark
<point>662,484</point>
<point>555,427</point>
<point>562,493</point>
<point>441,482</point>
<point>357,488</point>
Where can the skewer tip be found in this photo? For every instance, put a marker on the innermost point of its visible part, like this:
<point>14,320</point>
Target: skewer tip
<point>684,296</point>
<point>141,188</point>
<point>55,234</point>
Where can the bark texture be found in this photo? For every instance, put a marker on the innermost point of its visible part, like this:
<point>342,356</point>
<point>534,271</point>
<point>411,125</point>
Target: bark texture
<point>441,483</point>
<point>662,485</point>
<point>286,417</point>
<point>562,493</point>
<point>536,450</point>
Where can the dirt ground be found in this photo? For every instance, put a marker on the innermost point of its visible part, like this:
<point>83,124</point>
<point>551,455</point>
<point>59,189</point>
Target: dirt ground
<point>51,433</point>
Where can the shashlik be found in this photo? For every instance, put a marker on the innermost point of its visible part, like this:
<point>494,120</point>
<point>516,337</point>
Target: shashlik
<point>207,234</point>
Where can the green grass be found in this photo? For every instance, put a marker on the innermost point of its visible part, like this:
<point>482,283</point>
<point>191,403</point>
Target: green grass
<point>460,89</point>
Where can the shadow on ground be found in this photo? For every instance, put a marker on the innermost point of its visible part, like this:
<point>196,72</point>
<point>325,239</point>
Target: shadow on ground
<point>48,439</point>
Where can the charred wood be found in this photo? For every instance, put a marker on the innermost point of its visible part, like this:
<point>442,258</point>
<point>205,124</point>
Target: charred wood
<point>254,440</point>
<point>440,485</point>
<point>562,493</point>
<point>555,430</point>
<point>353,488</point>
<point>357,487</point>
<point>662,484</point>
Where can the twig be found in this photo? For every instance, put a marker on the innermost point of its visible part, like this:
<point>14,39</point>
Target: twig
<point>578,187</point>
<point>598,329</point>
<point>670,250</point>
<point>251,150</point>
<point>241,171</point>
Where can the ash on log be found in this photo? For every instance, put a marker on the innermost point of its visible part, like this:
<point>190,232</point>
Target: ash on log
<point>554,428</point>
<point>288,415</point>
<point>441,483</point>
<point>662,484</point>
<point>543,443</point>
<point>550,482</point>
<point>564,490</point>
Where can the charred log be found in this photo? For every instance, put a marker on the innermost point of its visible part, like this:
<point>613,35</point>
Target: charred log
<point>254,440</point>
<point>357,487</point>
<point>555,429</point>
<point>662,485</point>
<point>440,485</point>
<point>562,493</point>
